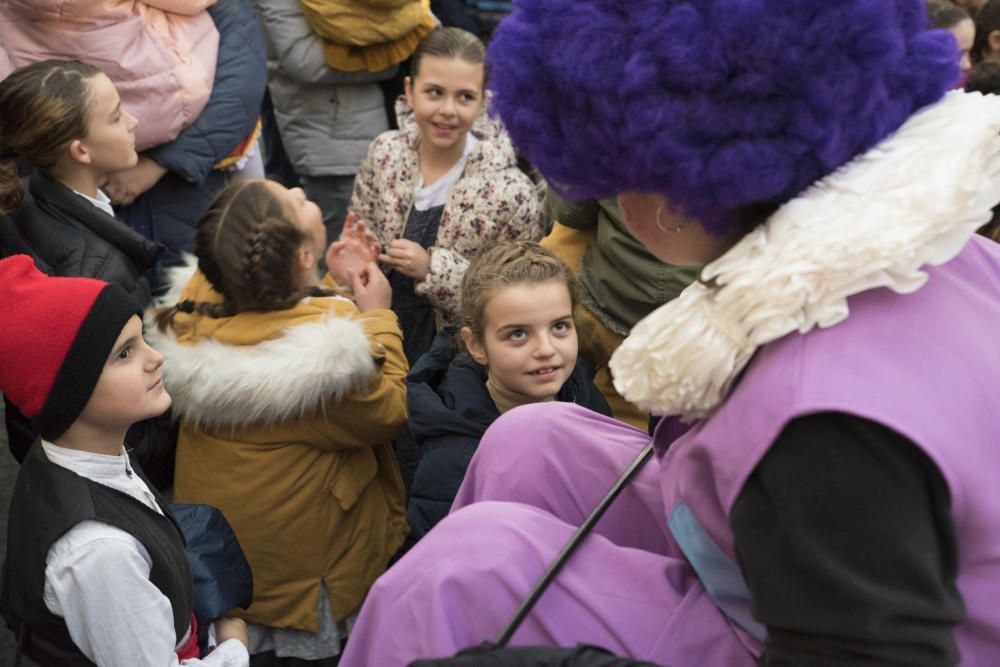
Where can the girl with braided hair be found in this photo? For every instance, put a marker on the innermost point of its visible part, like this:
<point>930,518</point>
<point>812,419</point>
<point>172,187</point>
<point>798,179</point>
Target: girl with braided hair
<point>288,395</point>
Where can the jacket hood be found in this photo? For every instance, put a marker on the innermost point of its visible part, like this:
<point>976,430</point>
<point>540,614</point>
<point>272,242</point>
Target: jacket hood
<point>494,152</point>
<point>447,395</point>
<point>259,367</point>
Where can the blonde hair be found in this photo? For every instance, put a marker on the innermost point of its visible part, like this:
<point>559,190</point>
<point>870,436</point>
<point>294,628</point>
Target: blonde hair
<point>509,265</point>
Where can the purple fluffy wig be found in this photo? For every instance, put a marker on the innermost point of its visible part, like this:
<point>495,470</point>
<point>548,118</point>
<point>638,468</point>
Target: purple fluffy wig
<point>719,105</point>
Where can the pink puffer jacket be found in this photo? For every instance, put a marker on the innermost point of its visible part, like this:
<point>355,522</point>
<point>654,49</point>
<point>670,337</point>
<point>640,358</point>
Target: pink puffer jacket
<point>160,54</point>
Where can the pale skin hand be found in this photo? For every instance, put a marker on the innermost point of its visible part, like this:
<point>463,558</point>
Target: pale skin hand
<point>355,248</point>
<point>123,187</point>
<point>371,288</point>
<point>231,628</point>
<point>408,258</point>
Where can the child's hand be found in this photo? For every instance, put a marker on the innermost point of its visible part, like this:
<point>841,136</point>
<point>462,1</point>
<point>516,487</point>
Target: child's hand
<point>408,258</point>
<point>124,186</point>
<point>341,261</point>
<point>371,288</point>
<point>359,240</point>
<point>231,628</point>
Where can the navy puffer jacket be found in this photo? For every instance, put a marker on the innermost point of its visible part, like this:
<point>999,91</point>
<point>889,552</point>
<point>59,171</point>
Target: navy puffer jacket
<point>450,409</point>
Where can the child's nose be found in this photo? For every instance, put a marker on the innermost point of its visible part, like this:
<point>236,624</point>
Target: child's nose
<point>153,357</point>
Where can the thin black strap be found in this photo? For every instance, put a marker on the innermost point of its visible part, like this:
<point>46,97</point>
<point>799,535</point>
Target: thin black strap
<point>572,544</point>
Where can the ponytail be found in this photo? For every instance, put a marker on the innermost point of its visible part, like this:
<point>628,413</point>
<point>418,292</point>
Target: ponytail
<point>11,188</point>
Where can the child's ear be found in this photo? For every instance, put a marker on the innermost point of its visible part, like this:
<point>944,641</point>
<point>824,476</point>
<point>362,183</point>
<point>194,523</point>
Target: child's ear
<point>475,346</point>
<point>408,90</point>
<point>79,152</point>
<point>305,258</point>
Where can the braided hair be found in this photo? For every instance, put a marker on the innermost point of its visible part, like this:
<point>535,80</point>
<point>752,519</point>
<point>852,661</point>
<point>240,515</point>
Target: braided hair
<point>245,245</point>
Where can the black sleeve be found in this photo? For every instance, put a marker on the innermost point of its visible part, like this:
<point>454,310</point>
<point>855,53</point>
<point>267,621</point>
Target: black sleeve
<point>845,538</point>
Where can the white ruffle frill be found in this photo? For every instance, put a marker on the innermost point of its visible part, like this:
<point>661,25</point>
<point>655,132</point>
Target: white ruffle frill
<point>914,199</point>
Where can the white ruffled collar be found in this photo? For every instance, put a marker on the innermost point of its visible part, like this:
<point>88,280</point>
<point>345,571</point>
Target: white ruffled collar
<point>914,199</point>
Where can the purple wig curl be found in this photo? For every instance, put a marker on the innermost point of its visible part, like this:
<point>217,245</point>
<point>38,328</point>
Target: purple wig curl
<point>717,104</point>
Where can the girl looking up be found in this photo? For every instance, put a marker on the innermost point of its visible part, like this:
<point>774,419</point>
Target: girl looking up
<point>517,312</point>
<point>442,188</point>
<point>66,119</point>
<point>288,396</point>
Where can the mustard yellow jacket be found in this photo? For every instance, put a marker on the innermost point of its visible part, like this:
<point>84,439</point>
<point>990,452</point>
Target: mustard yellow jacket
<point>286,419</point>
<point>368,34</point>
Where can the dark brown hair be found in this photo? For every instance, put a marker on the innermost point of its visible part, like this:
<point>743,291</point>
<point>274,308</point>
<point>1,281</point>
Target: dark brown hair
<point>245,243</point>
<point>450,43</point>
<point>944,14</point>
<point>509,265</point>
<point>987,22</point>
<point>43,107</point>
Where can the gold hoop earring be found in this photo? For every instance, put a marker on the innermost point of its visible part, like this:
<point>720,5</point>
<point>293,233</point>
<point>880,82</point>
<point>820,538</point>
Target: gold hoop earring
<point>669,230</point>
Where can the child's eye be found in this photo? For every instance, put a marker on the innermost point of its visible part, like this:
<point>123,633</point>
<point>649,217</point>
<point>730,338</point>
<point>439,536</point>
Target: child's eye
<point>466,97</point>
<point>125,353</point>
<point>517,334</point>
<point>562,327</point>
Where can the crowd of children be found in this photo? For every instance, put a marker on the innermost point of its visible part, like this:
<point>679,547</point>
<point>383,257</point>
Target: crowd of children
<point>404,404</point>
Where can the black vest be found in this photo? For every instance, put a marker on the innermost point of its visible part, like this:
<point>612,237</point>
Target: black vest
<point>48,501</point>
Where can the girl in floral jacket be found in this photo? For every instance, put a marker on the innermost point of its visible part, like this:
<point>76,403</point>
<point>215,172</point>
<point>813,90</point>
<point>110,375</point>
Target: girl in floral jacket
<point>442,188</point>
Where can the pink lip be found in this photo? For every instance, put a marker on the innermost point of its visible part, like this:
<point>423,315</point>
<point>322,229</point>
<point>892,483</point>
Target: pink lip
<point>547,374</point>
<point>156,385</point>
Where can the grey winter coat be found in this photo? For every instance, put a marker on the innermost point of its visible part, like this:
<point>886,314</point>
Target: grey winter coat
<point>326,117</point>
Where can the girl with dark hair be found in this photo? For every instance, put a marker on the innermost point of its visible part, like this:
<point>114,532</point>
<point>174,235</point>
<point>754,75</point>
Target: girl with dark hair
<point>66,119</point>
<point>442,188</point>
<point>986,47</point>
<point>827,461</point>
<point>520,347</point>
<point>288,396</point>
<point>192,71</point>
<point>946,15</point>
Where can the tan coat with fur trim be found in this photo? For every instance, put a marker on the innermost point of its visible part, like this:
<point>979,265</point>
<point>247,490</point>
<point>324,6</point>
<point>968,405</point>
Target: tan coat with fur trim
<point>286,419</point>
<point>493,201</point>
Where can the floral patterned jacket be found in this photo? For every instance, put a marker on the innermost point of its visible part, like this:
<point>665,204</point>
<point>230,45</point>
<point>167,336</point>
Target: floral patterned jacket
<point>493,201</point>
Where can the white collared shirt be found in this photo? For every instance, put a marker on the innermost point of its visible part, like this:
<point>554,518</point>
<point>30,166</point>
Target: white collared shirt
<point>437,193</point>
<point>97,579</point>
<point>102,201</point>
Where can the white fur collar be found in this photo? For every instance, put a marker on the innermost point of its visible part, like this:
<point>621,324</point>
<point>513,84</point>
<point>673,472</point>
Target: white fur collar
<point>214,384</point>
<point>914,199</point>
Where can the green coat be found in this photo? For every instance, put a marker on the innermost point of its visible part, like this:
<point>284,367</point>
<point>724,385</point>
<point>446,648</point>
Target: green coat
<point>621,281</point>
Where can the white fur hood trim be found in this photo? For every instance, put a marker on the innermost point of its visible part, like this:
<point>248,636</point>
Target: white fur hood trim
<point>913,200</point>
<point>214,384</point>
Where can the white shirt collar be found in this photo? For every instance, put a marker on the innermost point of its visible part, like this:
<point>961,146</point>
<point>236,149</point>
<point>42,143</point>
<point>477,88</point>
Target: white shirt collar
<point>102,201</point>
<point>88,464</point>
